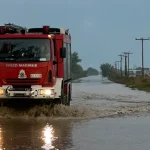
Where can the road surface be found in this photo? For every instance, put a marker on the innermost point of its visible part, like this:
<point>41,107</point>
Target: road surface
<point>103,115</point>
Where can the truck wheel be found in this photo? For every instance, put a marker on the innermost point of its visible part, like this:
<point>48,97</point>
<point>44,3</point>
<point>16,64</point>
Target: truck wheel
<point>62,99</point>
<point>69,97</point>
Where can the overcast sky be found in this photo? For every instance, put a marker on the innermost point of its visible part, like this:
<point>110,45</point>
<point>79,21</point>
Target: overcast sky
<point>100,29</point>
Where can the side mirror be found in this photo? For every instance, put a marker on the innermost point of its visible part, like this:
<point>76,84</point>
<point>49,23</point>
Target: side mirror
<point>63,52</point>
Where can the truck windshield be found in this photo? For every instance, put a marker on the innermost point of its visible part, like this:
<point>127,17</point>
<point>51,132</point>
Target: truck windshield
<point>24,50</point>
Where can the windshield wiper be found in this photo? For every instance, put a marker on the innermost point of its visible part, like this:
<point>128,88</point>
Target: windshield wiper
<point>16,59</point>
<point>7,59</point>
<point>28,59</point>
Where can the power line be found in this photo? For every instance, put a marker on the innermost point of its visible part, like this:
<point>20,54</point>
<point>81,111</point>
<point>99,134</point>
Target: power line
<point>142,40</point>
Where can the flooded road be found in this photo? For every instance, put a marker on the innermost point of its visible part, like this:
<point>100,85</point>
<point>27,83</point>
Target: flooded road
<point>102,115</point>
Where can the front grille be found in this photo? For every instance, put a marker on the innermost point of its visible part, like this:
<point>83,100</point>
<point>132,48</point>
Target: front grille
<point>20,89</point>
<point>22,81</point>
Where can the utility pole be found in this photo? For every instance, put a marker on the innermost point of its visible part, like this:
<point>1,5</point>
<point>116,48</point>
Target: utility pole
<point>125,56</point>
<point>117,66</point>
<point>128,53</point>
<point>121,63</point>
<point>142,40</point>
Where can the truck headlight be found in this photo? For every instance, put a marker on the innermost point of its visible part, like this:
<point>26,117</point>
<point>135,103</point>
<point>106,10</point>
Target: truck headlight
<point>1,91</point>
<point>47,92</point>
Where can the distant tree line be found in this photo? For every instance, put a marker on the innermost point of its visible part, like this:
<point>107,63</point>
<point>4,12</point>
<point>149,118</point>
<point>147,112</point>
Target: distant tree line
<point>77,70</point>
<point>108,70</point>
<point>91,71</point>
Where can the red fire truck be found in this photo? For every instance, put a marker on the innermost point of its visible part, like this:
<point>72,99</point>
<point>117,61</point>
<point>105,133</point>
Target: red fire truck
<point>35,63</point>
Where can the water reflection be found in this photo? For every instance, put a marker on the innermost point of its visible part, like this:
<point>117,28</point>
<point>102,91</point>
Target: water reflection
<point>48,137</point>
<point>22,134</point>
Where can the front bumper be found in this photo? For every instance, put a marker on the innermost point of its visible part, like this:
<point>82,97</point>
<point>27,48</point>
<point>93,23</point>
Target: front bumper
<point>36,92</point>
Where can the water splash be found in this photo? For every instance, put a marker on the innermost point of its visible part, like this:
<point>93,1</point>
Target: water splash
<point>61,111</point>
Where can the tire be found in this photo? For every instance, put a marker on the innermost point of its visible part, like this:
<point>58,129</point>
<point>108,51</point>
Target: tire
<point>61,100</point>
<point>69,97</point>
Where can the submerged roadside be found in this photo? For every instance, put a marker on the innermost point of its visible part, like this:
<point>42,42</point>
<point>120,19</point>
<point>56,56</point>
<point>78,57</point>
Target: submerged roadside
<point>118,76</point>
<point>140,83</point>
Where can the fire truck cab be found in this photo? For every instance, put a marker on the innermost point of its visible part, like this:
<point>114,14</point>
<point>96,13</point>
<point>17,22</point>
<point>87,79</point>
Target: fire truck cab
<point>35,63</point>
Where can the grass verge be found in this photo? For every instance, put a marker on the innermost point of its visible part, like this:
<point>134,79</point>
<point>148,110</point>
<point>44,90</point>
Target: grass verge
<point>140,83</point>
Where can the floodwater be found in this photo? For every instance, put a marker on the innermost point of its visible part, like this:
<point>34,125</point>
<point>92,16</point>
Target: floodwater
<point>102,116</point>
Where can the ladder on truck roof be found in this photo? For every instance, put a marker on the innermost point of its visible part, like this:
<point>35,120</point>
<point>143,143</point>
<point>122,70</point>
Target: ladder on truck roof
<point>12,28</point>
<point>50,30</point>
